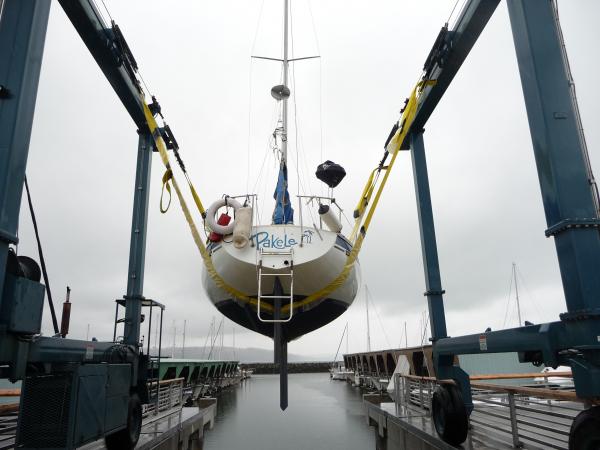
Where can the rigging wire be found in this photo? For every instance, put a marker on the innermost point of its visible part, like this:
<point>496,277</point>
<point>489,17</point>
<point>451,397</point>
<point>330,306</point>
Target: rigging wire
<point>340,345</point>
<point>260,12</point>
<point>210,331</point>
<point>312,20</point>
<point>452,12</point>
<point>509,298</point>
<point>212,345</point>
<point>260,184</point>
<point>369,299</point>
<point>425,325</point>
<point>293,73</point>
<point>146,86</point>
<point>42,261</point>
<point>302,187</point>
<point>107,11</point>
<point>528,292</point>
<point>462,7</point>
<point>249,148</point>
<point>101,17</point>
<point>250,72</point>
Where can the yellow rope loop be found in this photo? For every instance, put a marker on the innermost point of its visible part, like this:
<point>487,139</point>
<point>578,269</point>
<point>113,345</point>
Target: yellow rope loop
<point>165,184</point>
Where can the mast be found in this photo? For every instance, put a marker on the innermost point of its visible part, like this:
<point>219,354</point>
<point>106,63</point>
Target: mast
<point>285,83</point>
<point>283,213</point>
<point>222,340</point>
<point>174,338</point>
<point>347,333</point>
<point>368,325</point>
<point>517,293</point>
<point>183,344</point>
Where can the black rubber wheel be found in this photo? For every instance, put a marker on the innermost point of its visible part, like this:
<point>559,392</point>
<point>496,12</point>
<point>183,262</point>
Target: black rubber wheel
<point>585,430</point>
<point>449,414</point>
<point>127,438</point>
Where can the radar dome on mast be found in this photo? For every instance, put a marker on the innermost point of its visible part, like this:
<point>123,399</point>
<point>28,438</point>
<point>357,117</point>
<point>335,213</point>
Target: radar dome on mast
<point>280,92</point>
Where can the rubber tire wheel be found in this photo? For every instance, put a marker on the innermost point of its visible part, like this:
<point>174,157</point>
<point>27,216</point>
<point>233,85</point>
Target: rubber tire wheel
<point>585,430</point>
<point>127,438</point>
<point>449,414</point>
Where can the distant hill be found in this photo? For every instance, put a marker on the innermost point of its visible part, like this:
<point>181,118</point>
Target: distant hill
<point>245,355</point>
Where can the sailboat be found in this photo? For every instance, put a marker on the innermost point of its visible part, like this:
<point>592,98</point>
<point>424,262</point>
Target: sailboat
<point>285,278</point>
<point>338,371</point>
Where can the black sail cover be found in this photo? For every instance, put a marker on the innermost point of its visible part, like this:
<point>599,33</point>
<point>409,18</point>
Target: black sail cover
<point>330,173</point>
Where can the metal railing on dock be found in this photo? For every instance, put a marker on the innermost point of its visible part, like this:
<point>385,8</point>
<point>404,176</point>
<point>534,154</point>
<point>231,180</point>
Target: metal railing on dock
<point>532,416</point>
<point>170,395</point>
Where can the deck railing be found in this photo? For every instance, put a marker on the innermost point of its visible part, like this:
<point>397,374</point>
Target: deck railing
<point>531,416</point>
<point>170,395</point>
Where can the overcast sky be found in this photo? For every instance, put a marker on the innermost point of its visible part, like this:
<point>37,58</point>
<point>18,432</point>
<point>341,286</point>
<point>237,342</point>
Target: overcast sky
<point>195,57</point>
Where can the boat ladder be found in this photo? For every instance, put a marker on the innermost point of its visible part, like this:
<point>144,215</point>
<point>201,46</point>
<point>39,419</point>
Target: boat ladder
<point>265,271</point>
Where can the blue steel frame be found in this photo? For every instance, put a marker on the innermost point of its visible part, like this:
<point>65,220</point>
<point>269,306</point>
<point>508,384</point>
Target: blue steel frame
<point>137,251</point>
<point>571,208</point>
<point>443,364</point>
<point>22,35</point>
<point>23,25</point>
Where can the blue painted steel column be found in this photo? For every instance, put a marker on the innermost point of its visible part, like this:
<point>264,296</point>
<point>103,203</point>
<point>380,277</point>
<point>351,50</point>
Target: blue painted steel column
<point>433,283</point>
<point>22,35</point>
<point>565,180</point>
<point>137,250</point>
<point>443,364</point>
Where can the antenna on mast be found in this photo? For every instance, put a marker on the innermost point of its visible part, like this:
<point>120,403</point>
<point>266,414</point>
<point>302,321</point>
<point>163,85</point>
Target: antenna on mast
<point>347,333</point>
<point>514,267</point>
<point>183,344</point>
<point>368,325</point>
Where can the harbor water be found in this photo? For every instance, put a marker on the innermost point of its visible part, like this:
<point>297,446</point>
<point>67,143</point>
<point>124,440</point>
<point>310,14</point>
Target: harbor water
<point>322,414</point>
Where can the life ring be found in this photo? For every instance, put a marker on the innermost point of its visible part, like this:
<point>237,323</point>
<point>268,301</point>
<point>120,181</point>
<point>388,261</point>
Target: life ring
<point>212,211</point>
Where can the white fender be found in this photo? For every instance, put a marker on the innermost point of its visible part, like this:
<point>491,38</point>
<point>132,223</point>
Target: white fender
<point>329,218</point>
<point>242,227</point>
<point>212,211</point>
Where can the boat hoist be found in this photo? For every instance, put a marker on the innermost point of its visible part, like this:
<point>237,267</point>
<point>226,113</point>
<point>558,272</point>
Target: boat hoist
<point>363,214</point>
<point>118,369</point>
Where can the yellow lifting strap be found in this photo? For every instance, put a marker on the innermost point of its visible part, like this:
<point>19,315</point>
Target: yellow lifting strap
<point>169,179</point>
<point>196,197</point>
<point>408,116</point>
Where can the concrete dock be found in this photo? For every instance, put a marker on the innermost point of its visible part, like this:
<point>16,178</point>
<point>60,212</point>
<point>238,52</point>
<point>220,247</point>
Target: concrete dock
<point>176,429</point>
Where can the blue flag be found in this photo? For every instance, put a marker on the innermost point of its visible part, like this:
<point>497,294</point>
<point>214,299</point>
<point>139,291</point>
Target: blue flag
<point>283,213</point>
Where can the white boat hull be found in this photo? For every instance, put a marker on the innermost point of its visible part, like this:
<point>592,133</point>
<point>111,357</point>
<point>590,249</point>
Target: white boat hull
<point>317,256</point>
